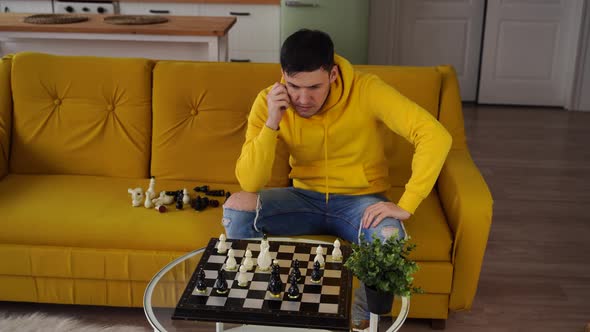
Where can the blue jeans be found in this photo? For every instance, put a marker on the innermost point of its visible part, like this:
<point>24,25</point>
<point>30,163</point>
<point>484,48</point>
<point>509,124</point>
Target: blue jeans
<point>292,211</point>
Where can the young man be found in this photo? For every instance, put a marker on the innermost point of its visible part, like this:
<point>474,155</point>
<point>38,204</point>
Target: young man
<point>327,114</point>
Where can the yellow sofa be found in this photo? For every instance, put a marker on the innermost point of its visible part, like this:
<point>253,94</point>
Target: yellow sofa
<point>77,132</point>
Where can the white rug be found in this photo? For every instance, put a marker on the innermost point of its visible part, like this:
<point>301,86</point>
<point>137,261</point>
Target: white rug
<point>38,322</point>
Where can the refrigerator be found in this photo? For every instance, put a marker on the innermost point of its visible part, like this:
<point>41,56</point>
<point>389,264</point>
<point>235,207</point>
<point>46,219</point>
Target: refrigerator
<point>346,21</point>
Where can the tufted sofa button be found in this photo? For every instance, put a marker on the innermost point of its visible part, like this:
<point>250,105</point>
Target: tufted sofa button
<point>193,112</point>
<point>110,108</point>
<point>57,102</point>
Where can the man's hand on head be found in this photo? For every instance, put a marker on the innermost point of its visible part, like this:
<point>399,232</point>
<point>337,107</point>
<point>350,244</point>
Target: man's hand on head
<point>277,101</point>
<point>375,213</point>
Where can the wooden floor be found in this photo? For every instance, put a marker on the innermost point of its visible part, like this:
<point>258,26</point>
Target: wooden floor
<point>536,272</point>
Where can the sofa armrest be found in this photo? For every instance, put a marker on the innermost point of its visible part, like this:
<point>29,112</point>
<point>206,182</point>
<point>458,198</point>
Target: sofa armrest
<point>5,113</point>
<point>467,203</point>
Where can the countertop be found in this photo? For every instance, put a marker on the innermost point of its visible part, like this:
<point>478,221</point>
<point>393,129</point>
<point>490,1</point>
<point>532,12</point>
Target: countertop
<point>243,2</point>
<point>177,25</point>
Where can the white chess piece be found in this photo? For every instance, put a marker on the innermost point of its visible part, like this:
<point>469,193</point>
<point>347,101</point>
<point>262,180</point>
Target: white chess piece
<point>221,245</point>
<point>264,244</point>
<point>136,196</point>
<point>185,196</point>
<point>151,192</point>
<point>264,260</point>
<point>243,277</point>
<point>231,264</point>
<point>337,253</point>
<point>319,255</point>
<point>148,202</point>
<point>163,199</point>
<point>248,262</point>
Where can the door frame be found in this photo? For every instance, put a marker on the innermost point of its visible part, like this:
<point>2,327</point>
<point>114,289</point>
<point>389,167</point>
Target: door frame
<point>582,60</point>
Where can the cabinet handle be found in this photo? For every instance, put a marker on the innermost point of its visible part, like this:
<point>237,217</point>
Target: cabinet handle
<point>239,13</point>
<point>296,3</point>
<point>240,60</point>
<point>159,11</point>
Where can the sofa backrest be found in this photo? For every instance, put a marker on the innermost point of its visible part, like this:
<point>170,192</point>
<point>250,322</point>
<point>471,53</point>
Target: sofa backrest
<point>81,115</point>
<point>200,113</point>
<point>196,138</point>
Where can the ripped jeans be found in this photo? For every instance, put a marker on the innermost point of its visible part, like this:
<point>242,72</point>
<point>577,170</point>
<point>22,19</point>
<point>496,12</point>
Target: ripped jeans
<point>292,211</point>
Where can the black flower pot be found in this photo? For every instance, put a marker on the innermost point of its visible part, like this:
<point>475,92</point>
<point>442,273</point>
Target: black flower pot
<point>379,302</point>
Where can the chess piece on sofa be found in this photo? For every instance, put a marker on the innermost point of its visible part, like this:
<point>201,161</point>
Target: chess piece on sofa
<point>186,199</point>
<point>151,191</point>
<point>164,199</point>
<point>136,196</point>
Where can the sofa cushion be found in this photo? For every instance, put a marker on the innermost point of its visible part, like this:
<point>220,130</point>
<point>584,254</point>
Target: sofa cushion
<point>96,212</point>
<point>81,115</point>
<point>200,118</point>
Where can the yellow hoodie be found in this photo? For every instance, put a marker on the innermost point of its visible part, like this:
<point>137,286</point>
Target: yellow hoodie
<point>338,150</point>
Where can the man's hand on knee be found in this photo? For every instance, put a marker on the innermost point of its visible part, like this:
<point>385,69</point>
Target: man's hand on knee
<point>375,213</point>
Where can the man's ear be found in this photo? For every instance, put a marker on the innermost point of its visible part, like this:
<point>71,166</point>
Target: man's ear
<point>334,74</point>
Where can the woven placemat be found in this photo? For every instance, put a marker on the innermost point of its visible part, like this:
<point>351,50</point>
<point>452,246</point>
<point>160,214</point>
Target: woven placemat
<point>135,19</point>
<point>55,19</point>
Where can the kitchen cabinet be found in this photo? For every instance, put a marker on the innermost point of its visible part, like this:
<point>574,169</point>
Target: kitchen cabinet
<point>256,35</point>
<point>159,8</point>
<point>26,6</point>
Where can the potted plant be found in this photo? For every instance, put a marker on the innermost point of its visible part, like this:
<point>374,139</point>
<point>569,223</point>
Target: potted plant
<point>385,269</point>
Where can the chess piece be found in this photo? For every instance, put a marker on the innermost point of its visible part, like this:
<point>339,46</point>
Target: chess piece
<point>151,192</point>
<point>136,196</point>
<point>186,199</point>
<point>164,199</point>
<point>213,203</point>
<point>227,194</point>
<point>296,272</point>
<point>179,201</point>
<point>316,273</point>
<point>148,202</point>
<point>248,262</point>
<point>293,292</point>
<point>264,243</point>
<point>231,264</point>
<point>221,245</point>
<point>275,284</point>
<point>221,286</point>
<point>197,204</point>
<point>161,208</point>
<point>201,189</point>
<point>243,277</point>
<point>264,260</point>
<point>201,286</point>
<point>337,253</point>
<point>319,256</point>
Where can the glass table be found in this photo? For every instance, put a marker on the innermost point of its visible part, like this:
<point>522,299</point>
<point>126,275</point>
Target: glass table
<point>167,286</point>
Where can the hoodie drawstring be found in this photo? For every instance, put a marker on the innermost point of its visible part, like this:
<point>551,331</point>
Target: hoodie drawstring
<point>326,160</point>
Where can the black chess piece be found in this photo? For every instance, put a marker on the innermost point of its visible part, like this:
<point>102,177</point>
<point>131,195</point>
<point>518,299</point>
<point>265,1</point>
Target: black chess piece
<point>316,273</point>
<point>213,203</point>
<point>179,203</point>
<point>293,291</point>
<point>205,202</point>
<point>221,286</point>
<point>219,193</point>
<point>227,194</point>
<point>275,284</point>
<point>197,203</point>
<point>296,270</point>
<point>201,286</point>
<point>201,189</point>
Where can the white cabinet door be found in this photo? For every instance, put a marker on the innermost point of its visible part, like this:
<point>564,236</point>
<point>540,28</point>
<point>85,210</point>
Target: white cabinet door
<point>442,32</point>
<point>528,50</point>
<point>159,8</point>
<point>26,6</point>
<point>256,34</point>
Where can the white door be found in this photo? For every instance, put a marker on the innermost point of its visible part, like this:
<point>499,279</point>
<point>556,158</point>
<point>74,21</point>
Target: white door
<point>529,47</point>
<point>435,32</point>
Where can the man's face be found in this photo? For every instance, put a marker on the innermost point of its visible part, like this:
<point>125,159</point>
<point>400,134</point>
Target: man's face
<point>308,90</point>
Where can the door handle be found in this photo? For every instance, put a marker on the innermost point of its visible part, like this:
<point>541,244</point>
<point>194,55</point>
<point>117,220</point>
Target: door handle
<point>239,13</point>
<point>297,3</point>
<point>157,11</point>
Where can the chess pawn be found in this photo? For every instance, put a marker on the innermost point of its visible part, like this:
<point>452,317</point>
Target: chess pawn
<point>222,245</point>
<point>186,199</point>
<point>319,256</point>
<point>316,273</point>
<point>293,292</point>
<point>201,286</point>
<point>221,286</point>
<point>231,264</point>
<point>337,253</point>
<point>275,285</point>
<point>151,192</point>
<point>243,277</point>
<point>296,272</point>
<point>248,263</point>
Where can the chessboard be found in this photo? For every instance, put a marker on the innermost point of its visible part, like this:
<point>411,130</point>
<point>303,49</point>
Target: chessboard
<point>320,305</point>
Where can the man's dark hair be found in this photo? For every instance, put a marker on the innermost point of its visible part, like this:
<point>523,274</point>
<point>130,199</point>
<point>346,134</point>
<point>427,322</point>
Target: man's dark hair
<point>307,50</point>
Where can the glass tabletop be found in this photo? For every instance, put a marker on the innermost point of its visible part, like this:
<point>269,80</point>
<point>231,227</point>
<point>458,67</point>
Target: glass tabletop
<point>167,286</point>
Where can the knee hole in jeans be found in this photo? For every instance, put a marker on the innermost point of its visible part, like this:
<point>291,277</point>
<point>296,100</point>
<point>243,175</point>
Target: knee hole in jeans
<point>389,231</point>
